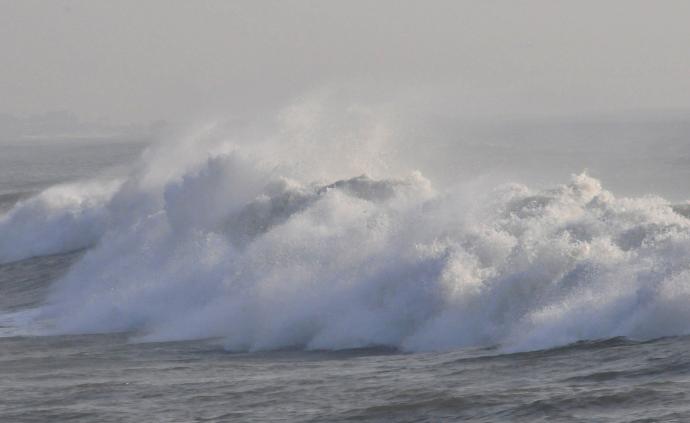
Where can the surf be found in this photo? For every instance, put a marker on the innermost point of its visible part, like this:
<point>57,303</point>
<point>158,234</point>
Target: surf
<point>275,244</point>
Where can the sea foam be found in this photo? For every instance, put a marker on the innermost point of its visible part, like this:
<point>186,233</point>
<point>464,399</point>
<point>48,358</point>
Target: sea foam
<point>226,240</point>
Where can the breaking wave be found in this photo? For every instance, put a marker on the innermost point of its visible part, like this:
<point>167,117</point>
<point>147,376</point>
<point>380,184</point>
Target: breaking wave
<point>272,245</point>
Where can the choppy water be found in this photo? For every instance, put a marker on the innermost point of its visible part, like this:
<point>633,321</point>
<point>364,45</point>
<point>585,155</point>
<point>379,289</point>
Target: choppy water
<point>105,378</point>
<point>310,280</point>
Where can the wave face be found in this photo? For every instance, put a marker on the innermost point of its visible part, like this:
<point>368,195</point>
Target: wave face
<point>253,243</point>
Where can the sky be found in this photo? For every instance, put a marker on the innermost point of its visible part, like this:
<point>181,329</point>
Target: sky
<point>136,61</point>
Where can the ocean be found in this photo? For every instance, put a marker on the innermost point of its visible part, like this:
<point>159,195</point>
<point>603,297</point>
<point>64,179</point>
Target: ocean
<point>301,276</point>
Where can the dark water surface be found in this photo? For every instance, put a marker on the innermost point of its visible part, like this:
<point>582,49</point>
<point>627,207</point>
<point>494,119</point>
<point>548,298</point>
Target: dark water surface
<point>104,378</point>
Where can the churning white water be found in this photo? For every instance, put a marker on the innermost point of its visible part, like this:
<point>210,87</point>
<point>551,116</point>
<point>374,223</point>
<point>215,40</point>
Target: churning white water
<point>281,241</point>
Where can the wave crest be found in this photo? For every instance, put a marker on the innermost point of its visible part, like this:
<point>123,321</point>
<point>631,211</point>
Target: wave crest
<point>235,247</point>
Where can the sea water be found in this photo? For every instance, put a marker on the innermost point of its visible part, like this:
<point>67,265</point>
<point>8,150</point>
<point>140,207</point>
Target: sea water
<point>311,272</point>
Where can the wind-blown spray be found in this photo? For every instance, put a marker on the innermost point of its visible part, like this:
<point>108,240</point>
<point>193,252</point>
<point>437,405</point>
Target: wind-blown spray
<point>272,245</point>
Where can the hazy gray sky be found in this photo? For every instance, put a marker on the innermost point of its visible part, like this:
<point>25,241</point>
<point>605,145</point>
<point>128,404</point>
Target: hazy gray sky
<point>144,60</point>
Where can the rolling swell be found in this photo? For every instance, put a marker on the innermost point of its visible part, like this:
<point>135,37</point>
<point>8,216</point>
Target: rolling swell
<point>231,244</point>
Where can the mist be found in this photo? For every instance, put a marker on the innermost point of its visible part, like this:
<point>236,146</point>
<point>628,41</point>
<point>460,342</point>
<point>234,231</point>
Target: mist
<point>179,61</point>
<point>531,91</point>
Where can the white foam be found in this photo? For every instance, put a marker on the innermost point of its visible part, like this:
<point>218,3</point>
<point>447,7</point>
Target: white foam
<point>59,219</point>
<point>265,253</point>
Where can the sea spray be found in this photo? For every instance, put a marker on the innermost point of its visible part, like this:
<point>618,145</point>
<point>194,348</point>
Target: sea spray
<point>265,251</point>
